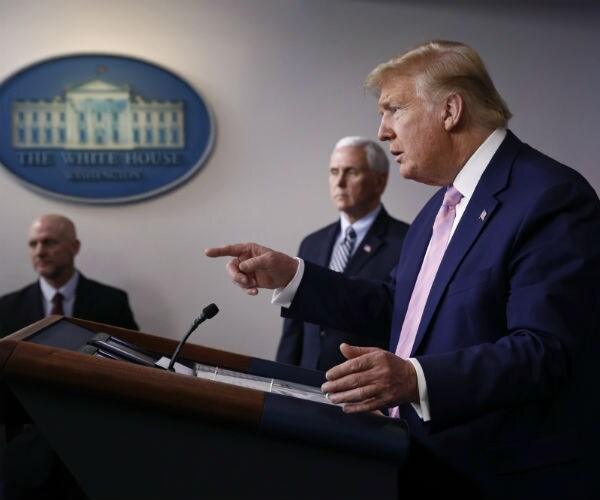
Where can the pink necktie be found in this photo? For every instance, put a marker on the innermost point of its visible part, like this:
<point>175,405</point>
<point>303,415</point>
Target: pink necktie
<point>442,227</point>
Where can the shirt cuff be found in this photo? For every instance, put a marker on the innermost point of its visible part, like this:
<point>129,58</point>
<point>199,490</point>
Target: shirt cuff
<point>422,408</point>
<point>283,296</point>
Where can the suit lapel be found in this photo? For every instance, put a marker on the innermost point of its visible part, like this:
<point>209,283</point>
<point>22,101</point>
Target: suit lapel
<point>83,300</point>
<point>324,250</point>
<point>413,252</point>
<point>36,301</point>
<point>480,210</point>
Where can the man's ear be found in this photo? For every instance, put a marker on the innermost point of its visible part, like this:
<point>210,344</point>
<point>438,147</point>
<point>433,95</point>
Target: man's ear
<point>453,111</point>
<point>381,182</point>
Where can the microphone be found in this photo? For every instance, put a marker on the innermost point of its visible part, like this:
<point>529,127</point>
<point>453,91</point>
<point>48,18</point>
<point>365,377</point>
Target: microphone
<point>208,312</point>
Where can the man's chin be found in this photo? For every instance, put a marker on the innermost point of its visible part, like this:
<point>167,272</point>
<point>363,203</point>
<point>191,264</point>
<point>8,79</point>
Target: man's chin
<point>406,171</point>
<point>47,273</point>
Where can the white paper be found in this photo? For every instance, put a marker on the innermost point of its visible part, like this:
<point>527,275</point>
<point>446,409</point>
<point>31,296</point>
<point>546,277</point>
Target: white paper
<point>259,383</point>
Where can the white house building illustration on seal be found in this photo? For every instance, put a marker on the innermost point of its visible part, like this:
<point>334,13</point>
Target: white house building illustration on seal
<point>98,115</point>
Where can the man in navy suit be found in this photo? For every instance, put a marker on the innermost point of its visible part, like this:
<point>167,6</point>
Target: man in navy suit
<point>358,174</point>
<point>53,245</point>
<point>500,380</point>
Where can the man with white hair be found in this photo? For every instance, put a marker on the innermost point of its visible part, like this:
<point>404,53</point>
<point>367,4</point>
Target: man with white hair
<point>358,174</point>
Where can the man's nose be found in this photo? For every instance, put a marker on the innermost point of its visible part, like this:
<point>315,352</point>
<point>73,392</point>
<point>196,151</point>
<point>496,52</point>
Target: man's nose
<point>341,180</point>
<point>385,132</point>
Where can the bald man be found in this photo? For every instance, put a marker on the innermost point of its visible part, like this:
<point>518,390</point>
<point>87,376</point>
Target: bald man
<point>53,245</point>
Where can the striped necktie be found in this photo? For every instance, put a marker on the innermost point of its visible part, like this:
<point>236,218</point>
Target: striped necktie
<point>342,252</point>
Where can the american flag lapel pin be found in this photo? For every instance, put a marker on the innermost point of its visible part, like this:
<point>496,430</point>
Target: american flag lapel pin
<point>482,216</point>
<point>367,248</point>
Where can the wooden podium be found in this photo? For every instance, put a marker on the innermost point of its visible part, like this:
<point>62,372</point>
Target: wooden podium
<point>129,431</point>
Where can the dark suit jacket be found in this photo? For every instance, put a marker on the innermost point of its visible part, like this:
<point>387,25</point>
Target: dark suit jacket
<point>510,330</point>
<point>317,347</point>
<point>93,301</point>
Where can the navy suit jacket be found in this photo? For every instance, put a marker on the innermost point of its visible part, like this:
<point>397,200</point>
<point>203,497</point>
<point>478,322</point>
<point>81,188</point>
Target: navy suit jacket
<point>317,347</point>
<point>510,330</point>
<point>93,301</point>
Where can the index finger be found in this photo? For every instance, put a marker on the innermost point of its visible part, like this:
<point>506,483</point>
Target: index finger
<point>234,250</point>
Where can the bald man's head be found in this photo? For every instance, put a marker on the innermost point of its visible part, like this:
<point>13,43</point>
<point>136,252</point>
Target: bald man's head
<point>53,245</point>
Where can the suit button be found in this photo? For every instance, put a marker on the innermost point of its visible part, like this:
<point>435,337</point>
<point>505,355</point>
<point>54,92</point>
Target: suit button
<point>322,333</point>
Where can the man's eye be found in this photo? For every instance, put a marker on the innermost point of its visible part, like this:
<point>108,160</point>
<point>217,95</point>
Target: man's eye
<point>334,171</point>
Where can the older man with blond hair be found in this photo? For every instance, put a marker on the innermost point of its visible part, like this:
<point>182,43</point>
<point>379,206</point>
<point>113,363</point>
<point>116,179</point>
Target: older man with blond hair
<point>493,309</point>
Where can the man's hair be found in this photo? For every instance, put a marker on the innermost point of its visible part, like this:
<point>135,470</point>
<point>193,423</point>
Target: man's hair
<point>441,68</point>
<point>377,160</point>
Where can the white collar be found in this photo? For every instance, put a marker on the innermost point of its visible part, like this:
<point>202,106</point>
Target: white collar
<point>67,290</point>
<point>362,225</point>
<point>468,177</point>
